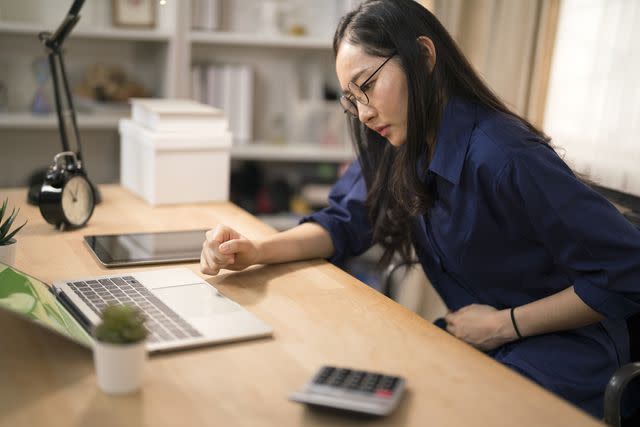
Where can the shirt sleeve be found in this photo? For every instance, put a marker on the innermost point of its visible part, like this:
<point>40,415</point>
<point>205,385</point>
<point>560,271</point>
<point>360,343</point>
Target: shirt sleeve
<point>580,229</point>
<point>346,217</point>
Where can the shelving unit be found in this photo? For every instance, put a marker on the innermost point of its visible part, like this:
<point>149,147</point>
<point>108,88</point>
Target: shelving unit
<point>31,29</point>
<point>17,121</point>
<point>255,40</point>
<point>258,150</point>
<point>161,58</point>
<point>291,153</point>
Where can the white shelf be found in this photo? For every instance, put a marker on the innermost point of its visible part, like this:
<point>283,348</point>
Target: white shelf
<point>249,39</point>
<point>50,121</point>
<point>291,152</point>
<point>31,29</point>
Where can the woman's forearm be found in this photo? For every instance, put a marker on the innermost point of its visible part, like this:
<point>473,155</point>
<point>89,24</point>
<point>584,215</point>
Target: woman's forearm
<point>486,328</point>
<point>306,241</point>
<point>558,312</point>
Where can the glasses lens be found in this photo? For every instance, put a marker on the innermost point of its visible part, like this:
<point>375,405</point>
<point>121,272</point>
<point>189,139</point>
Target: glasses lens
<point>358,93</point>
<point>348,106</point>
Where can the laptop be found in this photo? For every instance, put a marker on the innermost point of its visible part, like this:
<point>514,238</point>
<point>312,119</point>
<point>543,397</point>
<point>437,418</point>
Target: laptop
<point>182,310</point>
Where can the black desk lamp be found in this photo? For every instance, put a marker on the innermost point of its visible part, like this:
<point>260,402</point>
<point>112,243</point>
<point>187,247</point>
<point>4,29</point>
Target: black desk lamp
<point>67,124</point>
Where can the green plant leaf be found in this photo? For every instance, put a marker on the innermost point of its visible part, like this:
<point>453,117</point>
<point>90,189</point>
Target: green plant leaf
<point>4,207</point>
<point>14,232</point>
<point>4,229</point>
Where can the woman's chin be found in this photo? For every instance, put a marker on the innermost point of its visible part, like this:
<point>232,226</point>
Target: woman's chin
<point>396,142</point>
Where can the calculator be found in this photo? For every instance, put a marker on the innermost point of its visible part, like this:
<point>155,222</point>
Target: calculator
<point>371,393</point>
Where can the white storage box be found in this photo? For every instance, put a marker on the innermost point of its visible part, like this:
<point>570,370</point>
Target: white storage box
<point>166,168</point>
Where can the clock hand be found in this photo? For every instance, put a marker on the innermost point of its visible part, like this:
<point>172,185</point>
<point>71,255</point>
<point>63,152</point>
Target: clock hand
<point>74,195</point>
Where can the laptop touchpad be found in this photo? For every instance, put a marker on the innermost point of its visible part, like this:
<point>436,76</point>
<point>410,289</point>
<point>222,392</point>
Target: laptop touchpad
<point>197,300</point>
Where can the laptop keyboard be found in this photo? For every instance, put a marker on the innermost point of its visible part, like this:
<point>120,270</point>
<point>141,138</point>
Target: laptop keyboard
<point>163,323</point>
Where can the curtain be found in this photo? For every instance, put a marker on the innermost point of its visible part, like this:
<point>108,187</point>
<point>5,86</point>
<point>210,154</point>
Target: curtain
<point>593,105</point>
<point>508,42</point>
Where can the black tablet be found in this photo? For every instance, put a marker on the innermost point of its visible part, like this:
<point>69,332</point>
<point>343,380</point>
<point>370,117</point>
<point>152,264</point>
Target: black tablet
<point>115,250</point>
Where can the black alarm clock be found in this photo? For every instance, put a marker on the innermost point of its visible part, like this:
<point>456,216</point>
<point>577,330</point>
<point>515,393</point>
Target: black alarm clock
<point>66,197</point>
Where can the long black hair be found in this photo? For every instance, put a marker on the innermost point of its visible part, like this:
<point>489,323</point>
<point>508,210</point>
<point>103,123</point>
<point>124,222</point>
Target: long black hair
<point>395,194</point>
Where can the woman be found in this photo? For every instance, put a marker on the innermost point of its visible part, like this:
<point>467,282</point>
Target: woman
<point>536,268</point>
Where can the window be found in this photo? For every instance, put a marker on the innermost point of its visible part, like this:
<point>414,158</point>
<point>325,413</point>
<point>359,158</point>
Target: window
<point>593,103</point>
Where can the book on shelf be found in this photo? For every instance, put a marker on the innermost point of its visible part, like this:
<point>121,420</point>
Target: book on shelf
<point>244,101</point>
<point>177,115</point>
<point>228,87</point>
<point>205,14</point>
<point>197,85</point>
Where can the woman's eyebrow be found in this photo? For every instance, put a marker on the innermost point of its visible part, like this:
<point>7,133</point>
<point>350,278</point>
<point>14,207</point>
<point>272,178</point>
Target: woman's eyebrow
<point>355,77</point>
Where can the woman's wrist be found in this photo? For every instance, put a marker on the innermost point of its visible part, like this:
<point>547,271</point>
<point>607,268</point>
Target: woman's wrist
<point>505,329</point>
<point>261,255</point>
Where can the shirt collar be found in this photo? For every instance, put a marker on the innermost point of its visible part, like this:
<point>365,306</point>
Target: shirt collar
<point>452,143</point>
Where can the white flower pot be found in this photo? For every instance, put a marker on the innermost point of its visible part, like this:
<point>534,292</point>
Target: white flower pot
<point>119,367</point>
<point>8,253</point>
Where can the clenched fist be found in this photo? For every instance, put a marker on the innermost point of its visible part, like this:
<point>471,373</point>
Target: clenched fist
<point>228,249</point>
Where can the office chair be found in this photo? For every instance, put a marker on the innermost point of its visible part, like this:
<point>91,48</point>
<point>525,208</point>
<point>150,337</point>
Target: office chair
<point>621,379</point>
<point>619,382</point>
<point>386,282</point>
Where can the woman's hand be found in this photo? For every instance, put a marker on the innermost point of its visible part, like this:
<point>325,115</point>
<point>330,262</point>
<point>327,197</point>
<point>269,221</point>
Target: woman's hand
<point>482,326</point>
<point>226,248</point>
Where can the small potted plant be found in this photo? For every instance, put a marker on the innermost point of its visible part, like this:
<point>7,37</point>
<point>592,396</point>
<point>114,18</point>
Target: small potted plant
<point>120,349</point>
<point>7,242</point>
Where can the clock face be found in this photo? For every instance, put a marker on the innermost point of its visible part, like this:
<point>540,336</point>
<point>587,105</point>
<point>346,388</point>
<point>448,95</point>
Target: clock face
<point>77,200</point>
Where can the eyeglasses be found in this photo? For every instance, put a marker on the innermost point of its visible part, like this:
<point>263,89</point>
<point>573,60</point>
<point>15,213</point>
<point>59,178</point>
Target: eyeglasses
<point>358,93</point>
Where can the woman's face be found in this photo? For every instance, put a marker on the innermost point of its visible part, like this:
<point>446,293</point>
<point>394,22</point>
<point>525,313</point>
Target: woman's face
<point>386,112</point>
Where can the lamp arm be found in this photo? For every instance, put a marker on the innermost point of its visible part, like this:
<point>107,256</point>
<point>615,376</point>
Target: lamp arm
<point>60,111</point>
<point>55,40</point>
<point>75,7</point>
<point>66,113</point>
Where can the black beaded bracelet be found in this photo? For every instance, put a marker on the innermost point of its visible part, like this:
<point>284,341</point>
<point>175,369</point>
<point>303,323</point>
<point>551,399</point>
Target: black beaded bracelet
<point>515,325</point>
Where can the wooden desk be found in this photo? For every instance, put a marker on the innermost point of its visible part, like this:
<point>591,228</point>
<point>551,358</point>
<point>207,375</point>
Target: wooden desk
<point>319,315</point>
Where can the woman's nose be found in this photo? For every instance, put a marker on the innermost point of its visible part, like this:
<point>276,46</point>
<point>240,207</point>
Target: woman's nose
<point>365,112</point>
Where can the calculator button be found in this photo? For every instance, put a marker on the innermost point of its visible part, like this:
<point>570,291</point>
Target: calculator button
<point>354,380</point>
<point>324,375</point>
<point>370,382</point>
<point>337,379</point>
<point>384,393</point>
<point>388,383</point>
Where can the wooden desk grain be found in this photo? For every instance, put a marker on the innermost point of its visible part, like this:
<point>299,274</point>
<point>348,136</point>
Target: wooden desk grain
<point>320,315</point>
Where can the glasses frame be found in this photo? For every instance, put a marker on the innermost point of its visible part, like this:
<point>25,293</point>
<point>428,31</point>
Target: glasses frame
<point>349,105</point>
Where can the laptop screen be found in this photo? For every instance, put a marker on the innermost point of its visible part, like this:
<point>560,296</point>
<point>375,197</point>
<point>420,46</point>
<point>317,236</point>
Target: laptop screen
<point>31,299</point>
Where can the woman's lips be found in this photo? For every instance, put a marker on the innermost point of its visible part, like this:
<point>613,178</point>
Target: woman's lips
<point>383,130</point>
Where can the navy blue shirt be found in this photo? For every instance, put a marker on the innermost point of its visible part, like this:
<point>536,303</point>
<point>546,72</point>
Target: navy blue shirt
<point>512,224</point>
